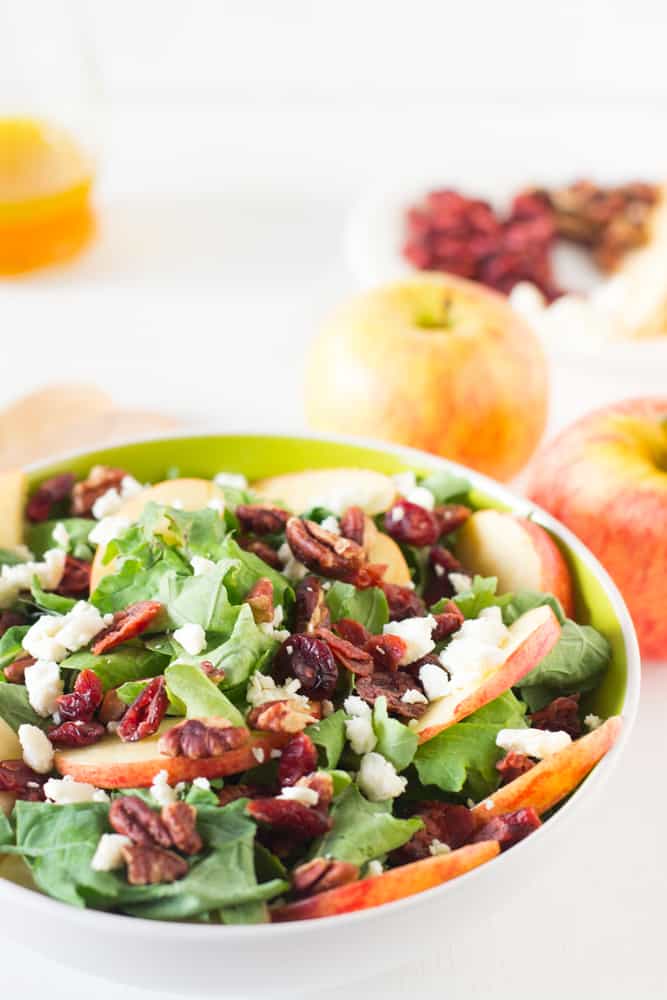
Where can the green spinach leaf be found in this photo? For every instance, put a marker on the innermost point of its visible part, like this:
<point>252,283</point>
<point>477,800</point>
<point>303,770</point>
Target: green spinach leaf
<point>362,830</point>
<point>366,606</point>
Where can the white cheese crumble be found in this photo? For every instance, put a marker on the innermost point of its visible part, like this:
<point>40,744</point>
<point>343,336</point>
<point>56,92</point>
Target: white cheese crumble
<point>37,748</point>
<point>14,579</point>
<point>299,793</point>
<point>203,784</point>
<point>259,754</point>
<point>331,524</point>
<point>476,649</point>
<point>461,582</point>
<point>262,689</point>
<point>416,634</point>
<point>60,536</point>
<point>43,684</point>
<point>191,637</point>
<point>538,743</point>
<point>109,852</point>
<point>437,847</point>
<point>66,791</point>
<point>233,480</point>
<point>414,697</point>
<point>200,565</point>
<point>373,869</point>
<point>111,501</point>
<point>109,528</point>
<point>435,681</point>
<point>161,790</point>
<point>272,628</point>
<point>359,728</point>
<point>292,568</point>
<point>592,722</point>
<point>378,779</point>
<point>354,705</point>
<point>421,496</point>
<point>53,636</point>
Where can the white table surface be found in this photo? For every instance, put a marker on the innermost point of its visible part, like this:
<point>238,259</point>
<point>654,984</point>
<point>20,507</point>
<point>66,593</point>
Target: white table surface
<point>202,305</point>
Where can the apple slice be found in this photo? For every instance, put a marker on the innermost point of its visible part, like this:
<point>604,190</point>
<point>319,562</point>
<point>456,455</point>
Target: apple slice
<point>332,488</point>
<point>554,777</point>
<point>516,550</point>
<point>390,886</point>
<point>384,550</point>
<point>190,494</point>
<point>531,637</point>
<point>10,749</point>
<point>13,490</point>
<point>114,764</point>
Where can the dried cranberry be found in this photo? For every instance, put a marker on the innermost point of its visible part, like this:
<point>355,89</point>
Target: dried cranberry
<point>509,828</point>
<point>126,625</point>
<point>451,824</point>
<point>414,525</point>
<point>387,651</point>
<point>309,660</point>
<point>10,619</point>
<point>75,581</point>
<point>298,758</point>
<point>560,714</point>
<point>352,631</point>
<point>146,712</point>
<point>310,611</point>
<point>346,654</point>
<point>19,779</point>
<point>84,700</point>
<point>440,564</point>
<point>51,492</point>
<point>512,766</point>
<point>451,516</point>
<point>76,733</point>
<point>447,622</point>
<point>403,602</point>
<point>290,816</point>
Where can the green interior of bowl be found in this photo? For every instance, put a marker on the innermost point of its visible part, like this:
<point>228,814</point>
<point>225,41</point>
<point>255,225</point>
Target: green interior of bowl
<point>259,456</point>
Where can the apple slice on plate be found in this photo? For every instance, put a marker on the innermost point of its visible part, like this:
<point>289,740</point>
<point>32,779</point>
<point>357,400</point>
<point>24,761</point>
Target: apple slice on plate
<point>189,494</point>
<point>520,553</point>
<point>554,777</point>
<point>335,489</point>
<point>114,764</point>
<point>531,637</point>
<point>13,490</point>
<point>390,886</point>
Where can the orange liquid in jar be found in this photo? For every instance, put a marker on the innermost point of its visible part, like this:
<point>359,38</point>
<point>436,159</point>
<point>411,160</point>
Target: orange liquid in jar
<point>46,214</point>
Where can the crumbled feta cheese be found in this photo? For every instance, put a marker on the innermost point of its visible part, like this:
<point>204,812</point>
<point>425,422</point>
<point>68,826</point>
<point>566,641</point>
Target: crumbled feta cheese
<point>161,790</point>
<point>460,582</point>
<point>14,579</point>
<point>43,683</point>
<point>200,565</point>
<point>191,637</point>
<point>373,869</point>
<point>354,705</point>
<point>538,743</point>
<point>421,496</point>
<point>360,733</point>
<point>66,791</point>
<point>235,481</point>
<point>327,708</point>
<point>397,513</point>
<point>417,635</point>
<point>109,852</point>
<point>437,847</point>
<point>262,689</point>
<point>203,784</point>
<point>435,681</point>
<point>331,524</point>
<point>275,754</point>
<point>41,639</point>
<point>107,504</point>
<point>37,748</point>
<point>475,649</point>
<point>299,793</point>
<point>378,779</point>
<point>592,722</point>
<point>405,481</point>
<point>414,697</point>
<point>60,536</point>
<point>259,754</point>
<point>109,528</point>
<point>292,568</point>
<point>218,504</point>
<point>272,628</point>
<point>53,636</point>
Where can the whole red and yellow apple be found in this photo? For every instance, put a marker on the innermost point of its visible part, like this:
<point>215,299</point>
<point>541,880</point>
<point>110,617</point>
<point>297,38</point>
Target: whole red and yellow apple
<point>435,362</point>
<point>605,477</point>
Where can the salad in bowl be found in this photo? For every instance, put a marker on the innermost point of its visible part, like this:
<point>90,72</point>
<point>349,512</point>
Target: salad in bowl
<point>232,700</point>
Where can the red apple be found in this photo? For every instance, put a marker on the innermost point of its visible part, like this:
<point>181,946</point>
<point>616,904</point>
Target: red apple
<point>394,884</point>
<point>605,477</point>
<point>520,553</point>
<point>435,362</point>
<point>532,636</point>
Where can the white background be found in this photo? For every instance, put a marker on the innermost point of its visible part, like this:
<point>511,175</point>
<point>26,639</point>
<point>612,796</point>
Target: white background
<point>233,139</point>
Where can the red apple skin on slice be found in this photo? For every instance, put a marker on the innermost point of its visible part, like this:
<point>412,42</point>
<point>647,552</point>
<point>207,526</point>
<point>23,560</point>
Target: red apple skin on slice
<point>390,886</point>
<point>516,550</point>
<point>114,764</point>
<point>533,635</point>
<point>553,778</point>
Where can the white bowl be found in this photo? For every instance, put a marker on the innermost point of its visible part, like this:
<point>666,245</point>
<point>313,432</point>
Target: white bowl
<point>294,959</point>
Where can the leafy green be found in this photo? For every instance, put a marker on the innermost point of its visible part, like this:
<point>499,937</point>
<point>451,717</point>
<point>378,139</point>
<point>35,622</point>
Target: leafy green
<point>39,537</point>
<point>463,758</point>
<point>525,600</point>
<point>15,708</point>
<point>133,582</point>
<point>366,606</point>
<point>576,663</point>
<point>6,831</point>
<point>53,603</point>
<point>329,735</point>
<point>244,652</point>
<point>362,830</point>
<point>482,594</point>
<point>201,600</point>
<point>248,569</point>
<point>8,557</point>
<point>199,695</point>
<point>446,486</point>
<point>394,740</point>
<point>11,644</point>
<point>127,663</point>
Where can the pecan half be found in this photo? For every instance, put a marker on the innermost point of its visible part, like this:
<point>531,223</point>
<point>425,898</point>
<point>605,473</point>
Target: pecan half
<point>112,708</point>
<point>509,828</point>
<point>298,758</point>
<point>290,816</point>
<point>21,780</point>
<point>261,518</point>
<point>100,479</point>
<point>76,733</point>
<point>131,816</point>
<point>311,611</point>
<point>403,602</point>
<point>231,793</point>
<point>84,700</point>
<point>322,874</point>
<point>320,782</point>
<point>180,818</point>
<point>8,619</point>
<point>512,766</point>
<point>393,686</point>
<point>146,712</point>
<point>311,661</point>
<point>447,622</point>
<point>149,865</point>
<point>197,738</point>
<point>286,716</point>
<point>346,654</point>
<point>75,581</point>
<point>451,824</point>
<point>261,550</point>
<point>15,672</point>
<point>324,552</point>
<point>353,524</point>
<point>47,496</point>
<point>559,714</point>
<point>260,599</point>
<point>126,625</point>
<point>387,651</point>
